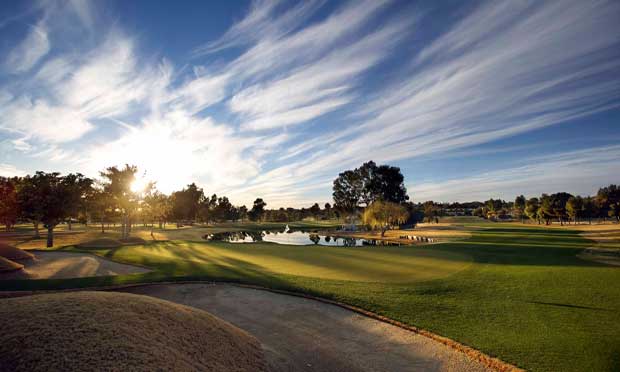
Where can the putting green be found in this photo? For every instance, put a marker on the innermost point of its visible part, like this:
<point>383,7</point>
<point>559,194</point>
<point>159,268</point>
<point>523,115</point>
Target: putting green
<point>366,264</point>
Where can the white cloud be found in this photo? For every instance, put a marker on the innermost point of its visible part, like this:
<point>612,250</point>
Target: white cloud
<point>37,119</point>
<point>25,55</point>
<point>8,170</point>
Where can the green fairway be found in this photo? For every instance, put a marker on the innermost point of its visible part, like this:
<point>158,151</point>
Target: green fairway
<point>514,291</point>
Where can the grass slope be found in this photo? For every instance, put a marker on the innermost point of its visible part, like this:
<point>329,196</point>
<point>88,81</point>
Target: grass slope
<point>514,291</point>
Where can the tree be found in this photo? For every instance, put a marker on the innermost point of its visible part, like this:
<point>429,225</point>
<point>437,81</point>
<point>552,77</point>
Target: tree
<point>9,206</point>
<point>384,215</point>
<point>430,211</point>
<point>58,197</point>
<point>519,207</point>
<point>258,210</point>
<point>82,188</point>
<point>531,209</point>
<point>589,208</point>
<point>315,210</point>
<point>558,201</point>
<point>100,206</point>
<point>348,190</point>
<point>28,199</point>
<point>608,199</point>
<point>574,207</point>
<point>545,210</point>
<point>118,186</point>
<point>160,207</point>
<point>368,183</point>
<point>187,202</point>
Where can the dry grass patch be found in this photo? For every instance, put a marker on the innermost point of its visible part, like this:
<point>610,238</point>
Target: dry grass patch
<point>117,332</point>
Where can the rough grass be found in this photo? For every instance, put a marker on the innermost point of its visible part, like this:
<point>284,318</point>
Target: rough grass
<point>12,253</point>
<point>118,331</point>
<point>7,265</point>
<point>523,295</point>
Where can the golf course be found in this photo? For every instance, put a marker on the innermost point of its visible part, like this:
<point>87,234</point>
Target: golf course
<point>514,291</point>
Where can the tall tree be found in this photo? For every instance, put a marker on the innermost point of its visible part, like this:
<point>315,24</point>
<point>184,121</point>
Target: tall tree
<point>608,199</point>
<point>574,207</point>
<point>315,210</point>
<point>58,197</point>
<point>9,206</point>
<point>531,209</point>
<point>117,184</point>
<point>589,209</point>
<point>187,202</point>
<point>558,201</point>
<point>368,183</point>
<point>519,207</point>
<point>258,210</point>
<point>28,198</point>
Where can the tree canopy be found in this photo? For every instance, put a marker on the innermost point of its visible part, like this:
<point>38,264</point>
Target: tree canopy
<point>367,184</point>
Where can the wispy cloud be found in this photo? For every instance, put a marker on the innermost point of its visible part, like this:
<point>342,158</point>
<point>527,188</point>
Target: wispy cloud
<point>254,123</point>
<point>572,172</point>
<point>25,55</point>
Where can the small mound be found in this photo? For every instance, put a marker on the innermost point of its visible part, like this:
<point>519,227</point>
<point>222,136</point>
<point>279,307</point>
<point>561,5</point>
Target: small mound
<point>13,253</point>
<point>8,266</point>
<point>118,331</point>
<point>101,243</point>
<point>133,240</point>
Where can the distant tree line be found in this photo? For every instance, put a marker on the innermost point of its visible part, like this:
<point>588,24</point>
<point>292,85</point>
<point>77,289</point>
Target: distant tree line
<point>374,194</point>
<point>561,207</point>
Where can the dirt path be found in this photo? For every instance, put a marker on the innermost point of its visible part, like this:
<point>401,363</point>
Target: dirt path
<point>299,334</point>
<point>64,265</point>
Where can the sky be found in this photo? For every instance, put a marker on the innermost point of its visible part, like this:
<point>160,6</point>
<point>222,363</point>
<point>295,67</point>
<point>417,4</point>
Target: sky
<point>273,99</point>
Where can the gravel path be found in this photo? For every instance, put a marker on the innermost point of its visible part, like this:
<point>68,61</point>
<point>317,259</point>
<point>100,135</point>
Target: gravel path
<point>64,265</point>
<point>300,334</point>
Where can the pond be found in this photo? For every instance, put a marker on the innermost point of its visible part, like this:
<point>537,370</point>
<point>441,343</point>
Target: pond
<point>292,237</point>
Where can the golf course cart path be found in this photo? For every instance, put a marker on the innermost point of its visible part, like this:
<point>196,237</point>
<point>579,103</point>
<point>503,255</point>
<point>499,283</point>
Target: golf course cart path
<point>300,334</point>
<point>65,265</point>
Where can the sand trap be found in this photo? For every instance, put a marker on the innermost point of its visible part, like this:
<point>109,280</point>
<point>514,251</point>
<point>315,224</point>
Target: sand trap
<point>299,334</point>
<point>102,331</point>
<point>64,265</point>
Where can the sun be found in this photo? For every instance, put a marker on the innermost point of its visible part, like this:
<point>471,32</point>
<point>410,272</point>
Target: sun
<point>139,184</point>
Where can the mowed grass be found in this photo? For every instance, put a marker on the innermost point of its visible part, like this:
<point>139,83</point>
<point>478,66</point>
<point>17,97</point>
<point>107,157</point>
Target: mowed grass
<point>514,291</point>
<point>363,264</point>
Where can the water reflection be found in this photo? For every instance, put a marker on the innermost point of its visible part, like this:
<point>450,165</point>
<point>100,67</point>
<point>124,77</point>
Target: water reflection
<point>292,237</point>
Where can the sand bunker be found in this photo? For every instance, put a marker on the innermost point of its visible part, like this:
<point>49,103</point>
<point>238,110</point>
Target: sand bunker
<point>299,334</point>
<point>14,254</point>
<point>64,265</point>
<point>8,266</point>
<point>104,331</point>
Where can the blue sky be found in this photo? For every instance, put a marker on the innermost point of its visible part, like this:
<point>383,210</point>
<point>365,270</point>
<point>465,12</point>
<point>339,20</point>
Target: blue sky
<point>273,99</point>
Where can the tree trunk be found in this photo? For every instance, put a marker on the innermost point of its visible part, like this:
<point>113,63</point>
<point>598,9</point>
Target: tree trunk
<point>69,223</point>
<point>37,234</point>
<point>102,226</point>
<point>50,236</point>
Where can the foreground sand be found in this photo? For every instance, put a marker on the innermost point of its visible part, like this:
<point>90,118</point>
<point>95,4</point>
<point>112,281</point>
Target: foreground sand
<point>299,334</point>
<point>102,331</point>
<point>64,265</point>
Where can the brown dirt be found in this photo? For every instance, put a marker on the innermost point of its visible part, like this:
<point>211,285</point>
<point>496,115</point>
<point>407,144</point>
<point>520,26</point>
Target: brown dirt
<point>87,331</point>
<point>15,254</point>
<point>64,265</point>
<point>300,334</point>
<point>8,267</point>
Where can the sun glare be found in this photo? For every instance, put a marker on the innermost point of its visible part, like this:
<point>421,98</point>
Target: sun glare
<point>138,185</point>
